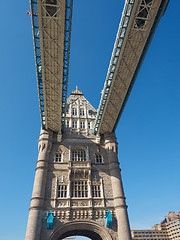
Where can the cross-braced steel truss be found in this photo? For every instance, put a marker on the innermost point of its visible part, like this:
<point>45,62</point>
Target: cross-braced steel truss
<point>51,20</point>
<point>137,26</point>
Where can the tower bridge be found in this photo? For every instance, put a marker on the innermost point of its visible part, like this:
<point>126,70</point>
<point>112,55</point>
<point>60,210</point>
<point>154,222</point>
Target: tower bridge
<point>78,186</point>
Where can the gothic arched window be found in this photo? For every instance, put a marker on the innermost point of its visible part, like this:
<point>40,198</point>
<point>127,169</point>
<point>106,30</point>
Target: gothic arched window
<point>78,154</point>
<point>81,111</point>
<point>98,158</point>
<point>82,125</point>
<point>74,111</point>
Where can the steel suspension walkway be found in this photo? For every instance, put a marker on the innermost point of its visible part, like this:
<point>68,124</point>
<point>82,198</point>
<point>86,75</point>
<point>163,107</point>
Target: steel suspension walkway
<point>51,21</point>
<point>137,27</point>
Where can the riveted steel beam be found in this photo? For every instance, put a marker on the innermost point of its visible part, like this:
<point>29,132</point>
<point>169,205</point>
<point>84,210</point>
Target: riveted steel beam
<point>137,26</point>
<point>51,23</point>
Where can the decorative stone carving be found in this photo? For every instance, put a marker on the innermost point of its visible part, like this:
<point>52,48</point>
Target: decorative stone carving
<point>68,215</point>
<point>62,204</point>
<point>90,214</point>
<point>82,214</point>
<point>62,214</point>
<point>44,145</point>
<point>101,214</point>
<point>59,137</point>
<point>58,214</point>
<point>75,204</point>
<point>79,203</point>
<point>74,215</point>
<point>62,179</point>
<point>79,174</point>
<point>95,178</point>
<point>97,203</point>
<point>83,203</point>
<point>85,214</point>
<point>79,164</point>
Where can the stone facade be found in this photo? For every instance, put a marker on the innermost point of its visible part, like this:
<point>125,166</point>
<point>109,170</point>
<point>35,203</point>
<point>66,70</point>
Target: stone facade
<point>78,179</point>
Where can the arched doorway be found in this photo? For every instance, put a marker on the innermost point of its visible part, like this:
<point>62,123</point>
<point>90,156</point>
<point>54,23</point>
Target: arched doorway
<point>88,229</point>
<point>77,237</point>
<point>85,233</point>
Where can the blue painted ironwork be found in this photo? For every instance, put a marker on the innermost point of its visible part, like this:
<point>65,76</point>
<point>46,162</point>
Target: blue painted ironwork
<point>114,60</point>
<point>115,56</point>
<point>50,220</point>
<point>160,13</point>
<point>35,27</point>
<point>109,219</point>
<point>67,39</point>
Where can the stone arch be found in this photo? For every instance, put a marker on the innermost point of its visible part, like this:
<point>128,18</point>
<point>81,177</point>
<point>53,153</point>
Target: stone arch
<point>84,228</point>
<point>79,147</point>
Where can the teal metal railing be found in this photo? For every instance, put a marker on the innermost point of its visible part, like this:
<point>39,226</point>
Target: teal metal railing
<point>160,13</point>
<point>115,56</point>
<point>114,60</point>
<point>67,41</point>
<point>35,28</point>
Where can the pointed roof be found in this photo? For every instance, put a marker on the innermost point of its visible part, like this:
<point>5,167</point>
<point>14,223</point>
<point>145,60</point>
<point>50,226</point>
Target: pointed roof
<point>75,95</point>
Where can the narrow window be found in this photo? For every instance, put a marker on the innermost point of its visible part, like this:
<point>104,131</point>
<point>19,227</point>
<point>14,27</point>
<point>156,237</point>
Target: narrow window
<point>81,111</point>
<point>62,191</point>
<point>58,157</point>
<point>74,111</point>
<point>99,158</point>
<point>67,123</point>
<point>74,124</point>
<point>82,125</point>
<point>89,125</point>
<point>96,190</point>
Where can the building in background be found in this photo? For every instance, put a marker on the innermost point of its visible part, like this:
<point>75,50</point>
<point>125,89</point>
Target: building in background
<point>169,228</point>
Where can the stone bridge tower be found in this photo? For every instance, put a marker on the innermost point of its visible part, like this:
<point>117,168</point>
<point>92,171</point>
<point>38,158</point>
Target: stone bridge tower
<point>78,178</point>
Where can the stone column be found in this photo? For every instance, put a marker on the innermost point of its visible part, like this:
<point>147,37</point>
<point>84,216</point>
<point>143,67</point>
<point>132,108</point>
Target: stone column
<point>120,206</point>
<point>36,209</point>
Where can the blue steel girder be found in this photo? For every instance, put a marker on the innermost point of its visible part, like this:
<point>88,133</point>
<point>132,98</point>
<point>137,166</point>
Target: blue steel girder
<point>136,29</point>
<point>35,28</point>
<point>67,41</point>
<point>38,60</point>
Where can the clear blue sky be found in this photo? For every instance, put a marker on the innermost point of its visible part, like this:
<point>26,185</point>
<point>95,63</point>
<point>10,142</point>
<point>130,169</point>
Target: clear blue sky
<point>148,132</point>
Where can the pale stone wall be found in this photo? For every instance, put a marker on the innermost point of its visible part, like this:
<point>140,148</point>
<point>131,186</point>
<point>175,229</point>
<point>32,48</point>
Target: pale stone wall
<point>90,211</point>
